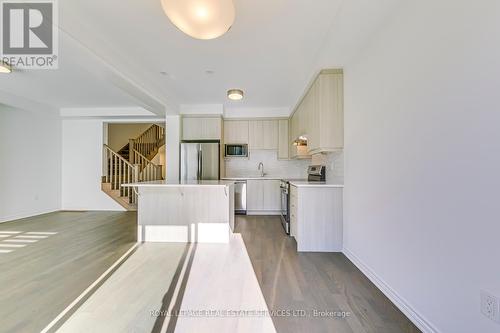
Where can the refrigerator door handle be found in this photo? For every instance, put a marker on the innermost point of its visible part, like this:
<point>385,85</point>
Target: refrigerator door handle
<point>201,164</point>
<point>198,173</point>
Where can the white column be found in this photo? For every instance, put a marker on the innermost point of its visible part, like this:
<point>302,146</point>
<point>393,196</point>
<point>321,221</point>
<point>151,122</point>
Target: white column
<point>173,137</point>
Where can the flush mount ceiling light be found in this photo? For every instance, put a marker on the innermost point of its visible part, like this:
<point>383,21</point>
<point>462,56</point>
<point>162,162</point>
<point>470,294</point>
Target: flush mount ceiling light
<point>235,94</point>
<point>5,67</point>
<point>201,19</point>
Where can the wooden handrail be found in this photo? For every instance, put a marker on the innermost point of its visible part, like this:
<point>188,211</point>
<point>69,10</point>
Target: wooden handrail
<point>118,171</point>
<point>148,169</point>
<point>118,155</point>
<point>149,141</point>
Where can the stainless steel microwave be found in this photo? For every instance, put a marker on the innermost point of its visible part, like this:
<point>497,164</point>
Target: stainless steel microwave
<point>236,150</point>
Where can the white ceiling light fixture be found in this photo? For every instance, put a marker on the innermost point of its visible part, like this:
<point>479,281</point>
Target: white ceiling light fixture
<point>5,67</point>
<point>201,19</point>
<point>235,94</point>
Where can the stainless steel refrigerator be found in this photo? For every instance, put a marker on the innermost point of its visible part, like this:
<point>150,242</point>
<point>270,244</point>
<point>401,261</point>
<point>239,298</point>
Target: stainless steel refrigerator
<point>200,160</point>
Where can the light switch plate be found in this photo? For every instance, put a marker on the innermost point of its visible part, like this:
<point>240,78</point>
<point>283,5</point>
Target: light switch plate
<point>490,306</point>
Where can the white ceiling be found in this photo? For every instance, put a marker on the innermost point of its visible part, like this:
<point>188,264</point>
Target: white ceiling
<point>112,53</point>
<point>269,52</point>
<point>69,86</point>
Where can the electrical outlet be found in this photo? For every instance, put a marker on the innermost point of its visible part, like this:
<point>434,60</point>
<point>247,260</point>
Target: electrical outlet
<point>490,306</point>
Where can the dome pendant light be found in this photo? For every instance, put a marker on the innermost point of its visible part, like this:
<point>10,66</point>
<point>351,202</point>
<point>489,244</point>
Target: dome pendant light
<point>200,19</point>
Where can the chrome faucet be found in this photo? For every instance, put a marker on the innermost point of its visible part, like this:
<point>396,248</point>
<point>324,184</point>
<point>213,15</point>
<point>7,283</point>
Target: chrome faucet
<point>261,168</point>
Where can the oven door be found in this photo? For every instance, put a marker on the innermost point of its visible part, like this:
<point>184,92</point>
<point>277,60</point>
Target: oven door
<point>285,208</point>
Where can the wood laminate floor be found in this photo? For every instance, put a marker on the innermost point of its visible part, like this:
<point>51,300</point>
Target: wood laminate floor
<point>166,287</point>
<point>314,281</point>
<point>47,261</point>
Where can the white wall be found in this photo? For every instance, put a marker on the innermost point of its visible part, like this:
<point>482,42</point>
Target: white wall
<point>82,141</point>
<point>30,163</point>
<point>161,159</point>
<point>422,160</point>
<point>173,133</point>
<point>120,134</point>
<point>82,166</point>
<point>199,109</point>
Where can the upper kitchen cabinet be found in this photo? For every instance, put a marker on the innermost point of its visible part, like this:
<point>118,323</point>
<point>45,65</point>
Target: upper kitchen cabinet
<point>297,130</point>
<point>319,117</point>
<point>201,128</point>
<point>326,127</point>
<point>283,139</point>
<point>263,134</point>
<point>236,131</point>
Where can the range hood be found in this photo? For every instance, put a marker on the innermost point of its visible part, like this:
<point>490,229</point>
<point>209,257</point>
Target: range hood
<point>300,141</point>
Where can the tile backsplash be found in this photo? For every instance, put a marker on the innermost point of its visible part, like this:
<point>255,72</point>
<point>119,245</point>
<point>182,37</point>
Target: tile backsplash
<point>334,164</point>
<point>248,167</point>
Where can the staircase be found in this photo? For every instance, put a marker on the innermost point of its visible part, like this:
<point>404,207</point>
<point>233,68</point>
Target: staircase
<point>131,164</point>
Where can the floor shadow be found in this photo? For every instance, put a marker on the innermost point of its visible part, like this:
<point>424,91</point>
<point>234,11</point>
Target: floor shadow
<point>180,280</point>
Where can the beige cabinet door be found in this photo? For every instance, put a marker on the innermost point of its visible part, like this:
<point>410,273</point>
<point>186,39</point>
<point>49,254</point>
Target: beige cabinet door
<point>304,115</point>
<point>191,129</point>
<point>256,134</point>
<point>292,135</point>
<point>320,116</point>
<point>272,195</point>
<point>201,128</point>
<point>255,195</point>
<point>283,140</point>
<point>331,111</point>
<point>211,128</point>
<point>270,134</point>
<point>236,131</point>
<point>313,132</point>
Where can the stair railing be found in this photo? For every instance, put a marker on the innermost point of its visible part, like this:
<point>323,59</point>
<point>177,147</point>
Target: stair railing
<point>148,169</point>
<point>119,171</point>
<point>149,141</point>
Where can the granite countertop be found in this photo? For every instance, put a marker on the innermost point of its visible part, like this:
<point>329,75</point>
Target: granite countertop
<point>189,183</point>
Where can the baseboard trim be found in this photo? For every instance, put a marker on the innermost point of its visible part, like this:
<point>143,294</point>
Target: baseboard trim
<point>400,303</point>
<point>89,209</point>
<point>27,214</point>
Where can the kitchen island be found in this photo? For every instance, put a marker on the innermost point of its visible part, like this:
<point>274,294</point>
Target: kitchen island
<point>191,211</point>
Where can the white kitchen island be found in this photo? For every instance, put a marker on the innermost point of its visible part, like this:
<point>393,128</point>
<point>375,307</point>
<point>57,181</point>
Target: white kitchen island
<point>193,211</point>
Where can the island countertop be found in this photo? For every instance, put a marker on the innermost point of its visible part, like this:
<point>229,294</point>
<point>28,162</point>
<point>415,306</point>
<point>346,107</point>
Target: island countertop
<point>177,183</point>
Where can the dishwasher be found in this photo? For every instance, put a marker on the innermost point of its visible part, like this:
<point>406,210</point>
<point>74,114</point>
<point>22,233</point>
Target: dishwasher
<point>240,197</point>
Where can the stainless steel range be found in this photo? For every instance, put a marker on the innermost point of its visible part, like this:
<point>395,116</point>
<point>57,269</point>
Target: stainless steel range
<point>316,173</point>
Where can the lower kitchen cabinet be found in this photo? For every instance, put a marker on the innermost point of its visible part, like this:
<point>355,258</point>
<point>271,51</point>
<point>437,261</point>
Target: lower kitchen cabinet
<point>263,197</point>
<point>316,218</point>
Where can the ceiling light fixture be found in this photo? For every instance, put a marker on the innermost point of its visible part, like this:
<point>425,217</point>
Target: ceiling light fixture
<point>235,94</point>
<point>5,67</point>
<point>200,19</point>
